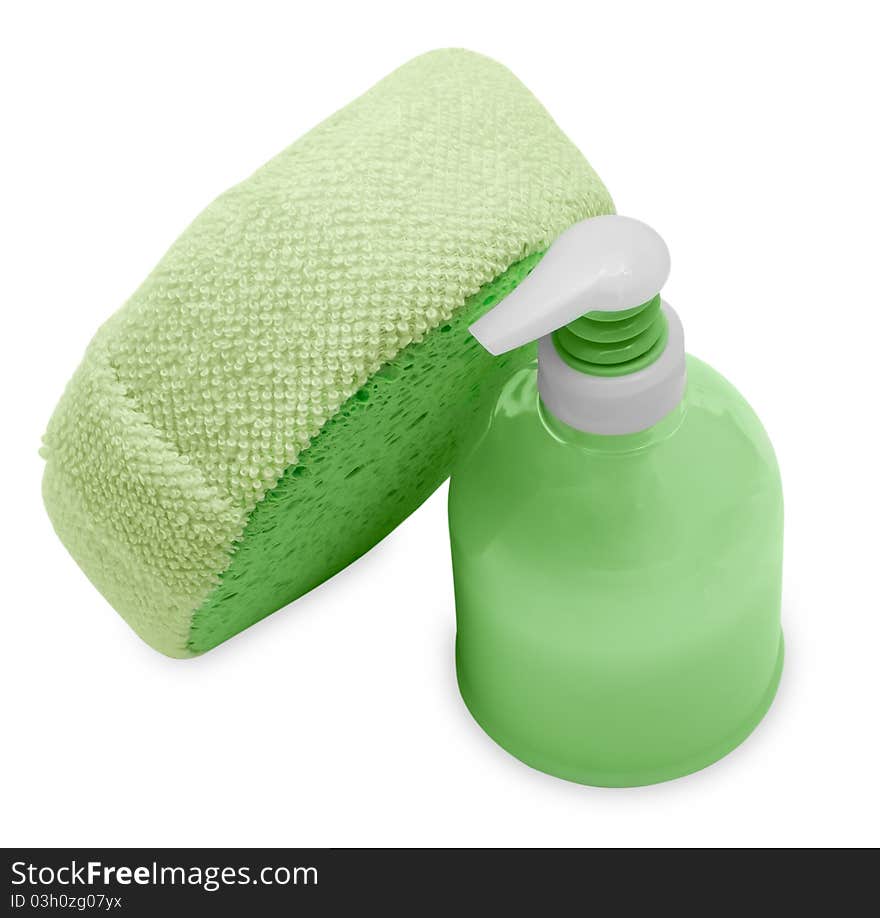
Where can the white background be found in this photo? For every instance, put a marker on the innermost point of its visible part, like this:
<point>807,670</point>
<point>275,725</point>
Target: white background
<point>744,132</point>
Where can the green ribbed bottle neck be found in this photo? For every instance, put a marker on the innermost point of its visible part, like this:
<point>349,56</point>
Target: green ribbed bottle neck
<point>614,343</point>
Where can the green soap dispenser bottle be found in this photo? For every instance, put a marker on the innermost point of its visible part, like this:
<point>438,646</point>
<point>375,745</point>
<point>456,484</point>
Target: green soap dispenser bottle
<point>616,529</point>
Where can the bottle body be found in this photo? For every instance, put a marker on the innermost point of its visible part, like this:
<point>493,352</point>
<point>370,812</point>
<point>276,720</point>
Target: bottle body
<point>618,597</point>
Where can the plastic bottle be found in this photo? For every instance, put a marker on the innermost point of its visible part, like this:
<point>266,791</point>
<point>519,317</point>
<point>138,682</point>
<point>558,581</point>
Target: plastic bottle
<point>616,529</point>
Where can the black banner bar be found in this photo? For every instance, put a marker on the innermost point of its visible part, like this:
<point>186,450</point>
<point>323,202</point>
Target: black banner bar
<point>263,882</point>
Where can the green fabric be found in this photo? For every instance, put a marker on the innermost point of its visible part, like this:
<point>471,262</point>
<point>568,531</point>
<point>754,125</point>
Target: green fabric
<point>374,462</point>
<point>203,405</point>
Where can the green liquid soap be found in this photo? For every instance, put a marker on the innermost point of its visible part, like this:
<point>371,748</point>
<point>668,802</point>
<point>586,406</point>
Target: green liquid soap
<point>617,594</point>
<point>618,597</point>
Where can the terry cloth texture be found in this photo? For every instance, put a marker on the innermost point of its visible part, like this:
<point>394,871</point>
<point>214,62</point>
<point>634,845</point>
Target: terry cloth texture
<point>290,381</point>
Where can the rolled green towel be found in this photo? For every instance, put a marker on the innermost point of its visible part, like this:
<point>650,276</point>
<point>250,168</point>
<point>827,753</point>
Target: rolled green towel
<point>290,381</point>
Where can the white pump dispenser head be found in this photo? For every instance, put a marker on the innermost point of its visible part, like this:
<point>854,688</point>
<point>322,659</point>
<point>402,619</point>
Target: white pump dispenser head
<point>605,264</point>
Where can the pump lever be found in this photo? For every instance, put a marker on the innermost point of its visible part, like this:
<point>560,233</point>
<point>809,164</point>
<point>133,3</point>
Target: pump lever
<point>607,263</point>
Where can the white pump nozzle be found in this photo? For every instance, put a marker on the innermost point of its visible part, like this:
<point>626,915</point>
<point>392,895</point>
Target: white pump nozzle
<point>605,263</point>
